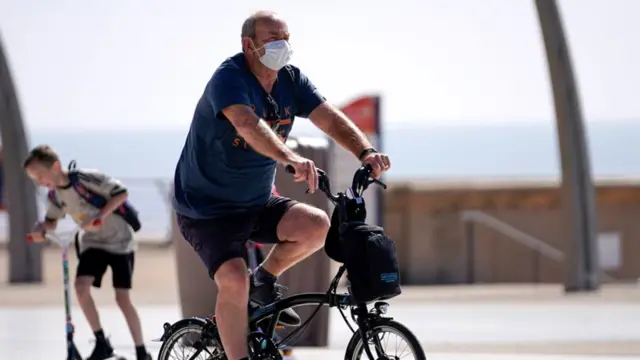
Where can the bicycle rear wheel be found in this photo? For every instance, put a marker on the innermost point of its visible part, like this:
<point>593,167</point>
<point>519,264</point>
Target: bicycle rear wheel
<point>403,344</point>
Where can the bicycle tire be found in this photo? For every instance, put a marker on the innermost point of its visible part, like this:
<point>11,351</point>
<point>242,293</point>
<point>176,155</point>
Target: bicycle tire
<point>176,335</point>
<point>355,349</point>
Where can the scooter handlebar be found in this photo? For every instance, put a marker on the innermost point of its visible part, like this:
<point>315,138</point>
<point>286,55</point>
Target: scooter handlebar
<point>30,238</point>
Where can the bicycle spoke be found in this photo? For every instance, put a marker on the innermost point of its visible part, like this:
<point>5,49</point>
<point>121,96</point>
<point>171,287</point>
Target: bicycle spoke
<point>384,347</point>
<point>189,345</point>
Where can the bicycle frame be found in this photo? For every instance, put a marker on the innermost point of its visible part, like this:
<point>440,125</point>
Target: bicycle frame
<point>330,298</point>
<point>258,317</point>
<point>359,311</point>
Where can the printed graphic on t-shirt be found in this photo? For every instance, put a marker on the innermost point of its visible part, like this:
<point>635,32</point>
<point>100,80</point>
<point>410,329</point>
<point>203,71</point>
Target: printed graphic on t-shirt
<point>281,127</point>
<point>81,217</point>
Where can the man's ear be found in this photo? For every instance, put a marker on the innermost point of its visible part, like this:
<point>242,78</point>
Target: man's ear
<point>247,44</point>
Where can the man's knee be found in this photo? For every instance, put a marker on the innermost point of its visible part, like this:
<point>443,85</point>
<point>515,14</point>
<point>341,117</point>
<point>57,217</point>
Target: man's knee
<point>304,224</point>
<point>232,278</point>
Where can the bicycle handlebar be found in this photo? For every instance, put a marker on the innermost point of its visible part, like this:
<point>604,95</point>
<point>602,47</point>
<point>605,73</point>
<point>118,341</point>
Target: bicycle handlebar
<point>361,181</point>
<point>59,238</point>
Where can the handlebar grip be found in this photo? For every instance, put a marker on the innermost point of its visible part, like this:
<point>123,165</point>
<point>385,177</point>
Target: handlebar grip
<point>29,238</point>
<point>290,169</point>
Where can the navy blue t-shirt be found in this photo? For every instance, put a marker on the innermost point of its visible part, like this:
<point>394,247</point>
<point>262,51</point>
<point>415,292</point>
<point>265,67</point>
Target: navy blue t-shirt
<point>218,172</point>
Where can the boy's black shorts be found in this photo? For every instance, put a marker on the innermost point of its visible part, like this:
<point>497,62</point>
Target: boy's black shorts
<point>94,262</point>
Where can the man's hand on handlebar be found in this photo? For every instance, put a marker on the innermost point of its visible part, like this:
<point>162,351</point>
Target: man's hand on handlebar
<point>305,170</point>
<point>379,163</point>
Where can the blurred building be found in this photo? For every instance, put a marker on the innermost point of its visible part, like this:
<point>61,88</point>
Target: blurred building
<point>492,232</point>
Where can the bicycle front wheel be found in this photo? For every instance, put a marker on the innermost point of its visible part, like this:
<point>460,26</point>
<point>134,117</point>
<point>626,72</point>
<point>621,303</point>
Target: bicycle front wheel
<point>388,340</point>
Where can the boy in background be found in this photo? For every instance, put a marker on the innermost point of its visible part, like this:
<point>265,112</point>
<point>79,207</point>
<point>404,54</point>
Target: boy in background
<point>109,245</point>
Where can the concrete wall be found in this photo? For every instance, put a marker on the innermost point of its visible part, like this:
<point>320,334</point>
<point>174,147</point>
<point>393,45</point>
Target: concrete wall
<point>425,220</point>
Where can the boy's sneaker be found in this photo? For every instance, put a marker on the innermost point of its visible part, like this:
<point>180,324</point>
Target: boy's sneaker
<point>146,357</point>
<point>102,350</point>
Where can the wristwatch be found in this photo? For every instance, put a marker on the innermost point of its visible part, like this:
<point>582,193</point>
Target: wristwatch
<point>366,152</point>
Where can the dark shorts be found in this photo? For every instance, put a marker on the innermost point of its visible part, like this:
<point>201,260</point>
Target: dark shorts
<point>223,238</point>
<point>255,255</point>
<point>94,262</point>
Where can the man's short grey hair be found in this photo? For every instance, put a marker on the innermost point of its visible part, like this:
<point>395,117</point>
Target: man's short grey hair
<point>249,25</point>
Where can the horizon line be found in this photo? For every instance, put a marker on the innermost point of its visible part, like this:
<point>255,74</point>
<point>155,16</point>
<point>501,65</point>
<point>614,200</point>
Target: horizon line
<point>390,126</point>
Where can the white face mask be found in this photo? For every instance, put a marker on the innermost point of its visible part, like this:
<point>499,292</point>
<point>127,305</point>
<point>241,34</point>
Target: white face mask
<point>276,54</point>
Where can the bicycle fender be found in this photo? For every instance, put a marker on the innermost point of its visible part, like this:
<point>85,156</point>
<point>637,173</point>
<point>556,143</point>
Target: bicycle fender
<point>171,328</point>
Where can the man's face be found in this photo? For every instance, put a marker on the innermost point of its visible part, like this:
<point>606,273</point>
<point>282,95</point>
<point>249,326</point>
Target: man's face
<point>44,175</point>
<point>267,30</point>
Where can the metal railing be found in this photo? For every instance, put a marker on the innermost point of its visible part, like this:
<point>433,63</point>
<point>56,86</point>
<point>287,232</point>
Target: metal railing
<point>537,246</point>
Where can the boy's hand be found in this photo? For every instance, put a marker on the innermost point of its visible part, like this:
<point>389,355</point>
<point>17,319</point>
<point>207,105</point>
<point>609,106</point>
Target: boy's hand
<point>37,234</point>
<point>102,215</point>
<point>90,224</point>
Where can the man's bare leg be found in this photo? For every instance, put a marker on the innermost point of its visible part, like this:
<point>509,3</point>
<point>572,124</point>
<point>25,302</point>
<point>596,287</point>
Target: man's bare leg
<point>231,308</point>
<point>302,230</point>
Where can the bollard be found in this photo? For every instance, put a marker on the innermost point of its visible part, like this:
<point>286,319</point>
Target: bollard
<point>197,291</point>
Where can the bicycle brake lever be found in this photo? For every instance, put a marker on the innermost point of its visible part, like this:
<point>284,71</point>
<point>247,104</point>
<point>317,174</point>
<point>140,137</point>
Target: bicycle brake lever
<point>380,183</point>
<point>323,181</point>
<point>323,184</point>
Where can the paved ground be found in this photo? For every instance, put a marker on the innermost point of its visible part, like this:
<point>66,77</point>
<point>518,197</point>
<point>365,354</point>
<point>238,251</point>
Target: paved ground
<point>475,323</point>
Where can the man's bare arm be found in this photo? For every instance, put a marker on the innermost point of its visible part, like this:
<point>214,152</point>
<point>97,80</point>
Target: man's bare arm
<point>258,134</point>
<point>337,125</point>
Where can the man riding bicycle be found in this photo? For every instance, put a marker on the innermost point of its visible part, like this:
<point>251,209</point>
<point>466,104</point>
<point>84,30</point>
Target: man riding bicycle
<point>226,170</point>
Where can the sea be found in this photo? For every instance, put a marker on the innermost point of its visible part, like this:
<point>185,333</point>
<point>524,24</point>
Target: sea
<point>144,160</point>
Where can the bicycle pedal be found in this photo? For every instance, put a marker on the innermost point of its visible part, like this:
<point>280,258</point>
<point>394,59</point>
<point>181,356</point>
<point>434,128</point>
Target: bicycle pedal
<point>261,347</point>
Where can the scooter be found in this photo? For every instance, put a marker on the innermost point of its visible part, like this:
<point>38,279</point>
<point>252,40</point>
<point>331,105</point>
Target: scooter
<point>65,239</point>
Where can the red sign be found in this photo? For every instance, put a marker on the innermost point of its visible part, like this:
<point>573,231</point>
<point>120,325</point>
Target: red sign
<point>364,113</point>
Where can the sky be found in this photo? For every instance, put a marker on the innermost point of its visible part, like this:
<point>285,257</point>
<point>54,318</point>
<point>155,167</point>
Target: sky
<point>125,64</point>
